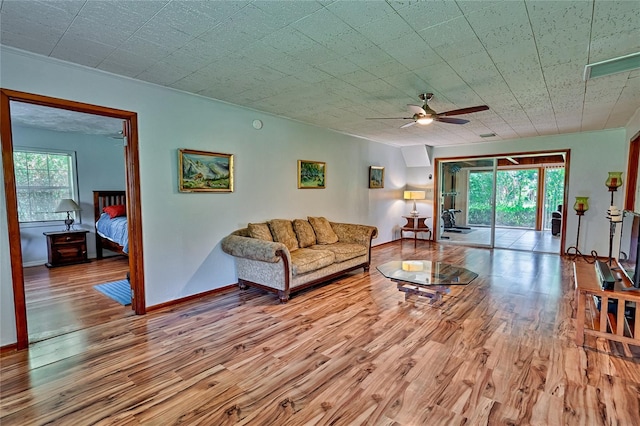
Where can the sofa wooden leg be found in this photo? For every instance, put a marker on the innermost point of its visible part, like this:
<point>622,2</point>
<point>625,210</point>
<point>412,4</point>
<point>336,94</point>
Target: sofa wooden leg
<point>242,285</point>
<point>366,268</point>
<point>283,296</point>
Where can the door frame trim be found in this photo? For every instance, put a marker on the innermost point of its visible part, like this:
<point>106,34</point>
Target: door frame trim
<point>632,173</point>
<point>136,263</point>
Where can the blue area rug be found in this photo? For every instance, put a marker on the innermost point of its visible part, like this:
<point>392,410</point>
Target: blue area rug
<point>120,291</point>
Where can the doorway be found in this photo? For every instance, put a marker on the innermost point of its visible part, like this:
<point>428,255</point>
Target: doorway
<point>511,201</point>
<point>132,191</point>
<point>467,199</point>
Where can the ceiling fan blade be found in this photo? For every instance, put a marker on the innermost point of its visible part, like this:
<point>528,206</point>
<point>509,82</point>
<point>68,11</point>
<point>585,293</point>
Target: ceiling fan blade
<point>416,109</point>
<point>464,110</point>
<point>389,118</point>
<point>408,125</point>
<point>451,120</point>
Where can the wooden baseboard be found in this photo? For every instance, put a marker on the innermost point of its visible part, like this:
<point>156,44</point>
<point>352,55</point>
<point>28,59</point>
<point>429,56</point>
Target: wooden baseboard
<point>9,348</point>
<point>384,244</point>
<point>192,297</point>
<point>400,239</point>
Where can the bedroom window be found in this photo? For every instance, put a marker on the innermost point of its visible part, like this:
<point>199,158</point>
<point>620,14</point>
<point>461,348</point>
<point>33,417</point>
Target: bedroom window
<point>43,178</point>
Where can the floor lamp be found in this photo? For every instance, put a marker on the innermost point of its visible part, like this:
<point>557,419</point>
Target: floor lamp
<point>580,206</point>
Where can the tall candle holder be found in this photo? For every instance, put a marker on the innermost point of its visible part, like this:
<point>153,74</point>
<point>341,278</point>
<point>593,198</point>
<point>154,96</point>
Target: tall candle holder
<point>613,182</point>
<point>615,216</point>
<point>580,206</point>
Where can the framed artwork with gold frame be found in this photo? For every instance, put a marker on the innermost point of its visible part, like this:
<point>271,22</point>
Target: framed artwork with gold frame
<point>376,177</point>
<point>202,171</point>
<point>312,174</point>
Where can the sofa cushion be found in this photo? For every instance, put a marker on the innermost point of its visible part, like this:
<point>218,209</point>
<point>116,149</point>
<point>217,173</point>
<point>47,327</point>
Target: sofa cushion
<point>343,251</point>
<point>260,231</point>
<point>306,260</point>
<point>282,232</point>
<point>324,231</point>
<point>304,232</point>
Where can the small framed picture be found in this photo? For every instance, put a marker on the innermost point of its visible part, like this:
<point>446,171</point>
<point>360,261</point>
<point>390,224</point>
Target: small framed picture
<point>202,171</point>
<point>376,177</point>
<point>311,174</point>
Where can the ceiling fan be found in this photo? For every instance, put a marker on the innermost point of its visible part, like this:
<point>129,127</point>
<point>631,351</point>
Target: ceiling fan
<point>425,115</point>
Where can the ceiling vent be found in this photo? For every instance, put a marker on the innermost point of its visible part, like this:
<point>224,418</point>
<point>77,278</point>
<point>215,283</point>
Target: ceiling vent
<point>612,66</point>
<point>487,135</point>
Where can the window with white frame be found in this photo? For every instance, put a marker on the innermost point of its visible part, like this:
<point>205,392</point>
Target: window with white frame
<point>43,178</point>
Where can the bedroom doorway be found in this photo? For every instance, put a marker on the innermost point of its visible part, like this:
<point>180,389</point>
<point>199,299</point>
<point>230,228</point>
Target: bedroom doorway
<point>132,184</point>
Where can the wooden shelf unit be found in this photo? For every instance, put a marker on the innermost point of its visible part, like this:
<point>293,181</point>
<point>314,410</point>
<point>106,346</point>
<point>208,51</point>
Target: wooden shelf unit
<point>415,224</point>
<point>602,323</point>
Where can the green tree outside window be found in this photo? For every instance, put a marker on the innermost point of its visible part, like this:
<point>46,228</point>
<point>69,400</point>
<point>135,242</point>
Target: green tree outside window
<point>42,180</point>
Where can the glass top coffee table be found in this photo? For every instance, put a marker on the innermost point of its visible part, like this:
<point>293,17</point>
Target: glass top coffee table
<point>425,277</point>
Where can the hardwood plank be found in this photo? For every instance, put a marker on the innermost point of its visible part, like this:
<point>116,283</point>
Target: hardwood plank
<point>352,351</point>
<point>63,300</point>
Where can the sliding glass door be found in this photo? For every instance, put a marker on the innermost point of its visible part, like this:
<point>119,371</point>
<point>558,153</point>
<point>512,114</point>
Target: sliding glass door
<point>553,197</point>
<point>517,198</point>
<point>504,201</point>
<point>467,201</point>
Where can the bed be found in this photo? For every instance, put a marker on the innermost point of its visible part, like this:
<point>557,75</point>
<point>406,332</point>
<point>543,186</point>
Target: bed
<point>112,232</point>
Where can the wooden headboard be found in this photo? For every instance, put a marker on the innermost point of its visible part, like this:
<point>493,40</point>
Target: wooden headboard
<point>102,199</point>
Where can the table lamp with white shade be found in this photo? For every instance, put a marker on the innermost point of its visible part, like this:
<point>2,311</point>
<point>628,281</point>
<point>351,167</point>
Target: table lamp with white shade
<point>68,205</point>
<point>414,195</point>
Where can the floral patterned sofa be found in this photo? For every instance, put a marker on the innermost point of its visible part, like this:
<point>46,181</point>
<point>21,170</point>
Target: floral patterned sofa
<point>284,256</point>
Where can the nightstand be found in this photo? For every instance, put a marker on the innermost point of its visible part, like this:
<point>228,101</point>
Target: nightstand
<point>66,248</point>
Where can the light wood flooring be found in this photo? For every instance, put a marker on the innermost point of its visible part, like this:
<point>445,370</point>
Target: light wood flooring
<point>62,300</point>
<point>350,352</point>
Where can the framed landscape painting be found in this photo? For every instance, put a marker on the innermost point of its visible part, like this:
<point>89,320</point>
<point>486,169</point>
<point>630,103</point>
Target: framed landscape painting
<point>202,171</point>
<point>311,174</point>
<point>376,177</point>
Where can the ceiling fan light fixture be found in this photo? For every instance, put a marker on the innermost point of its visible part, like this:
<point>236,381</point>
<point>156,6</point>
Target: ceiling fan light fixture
<point>424,115</point>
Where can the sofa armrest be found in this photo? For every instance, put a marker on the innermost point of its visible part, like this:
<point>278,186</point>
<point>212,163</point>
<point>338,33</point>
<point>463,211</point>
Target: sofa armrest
<point>353,233</point>
<point>254,249</point>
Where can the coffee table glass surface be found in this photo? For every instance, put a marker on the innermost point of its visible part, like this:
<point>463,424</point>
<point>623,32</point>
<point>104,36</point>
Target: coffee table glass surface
<point>426,278</point>
<point>426,272</point>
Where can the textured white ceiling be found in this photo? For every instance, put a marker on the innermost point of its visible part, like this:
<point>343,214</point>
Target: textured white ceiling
<point>336,63</point>
<point>62,120</point>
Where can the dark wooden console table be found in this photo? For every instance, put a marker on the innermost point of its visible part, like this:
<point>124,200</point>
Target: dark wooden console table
<point>415,224</point>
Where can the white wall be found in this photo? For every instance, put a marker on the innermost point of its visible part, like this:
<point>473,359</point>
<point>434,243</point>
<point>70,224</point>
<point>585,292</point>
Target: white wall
<point>100,165</point>
<point>418,159</point>
<point>182,231</point>
<point>593,154</point>
<point>418,179</point>
<point>386,205</point>
<point>633,126</point>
